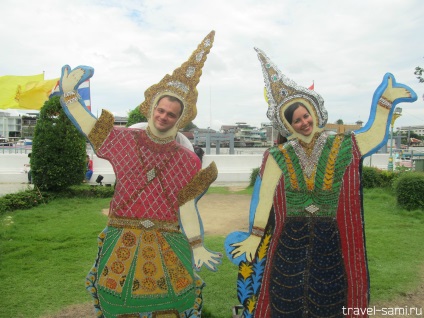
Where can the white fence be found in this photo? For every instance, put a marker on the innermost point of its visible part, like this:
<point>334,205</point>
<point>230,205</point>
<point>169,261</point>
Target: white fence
<point>231,168</point>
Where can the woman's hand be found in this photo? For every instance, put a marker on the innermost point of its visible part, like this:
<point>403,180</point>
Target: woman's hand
<point>248,246</point>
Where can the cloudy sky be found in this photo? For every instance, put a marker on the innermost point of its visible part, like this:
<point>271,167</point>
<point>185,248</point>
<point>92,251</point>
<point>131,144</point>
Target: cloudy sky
<point>345,47</point>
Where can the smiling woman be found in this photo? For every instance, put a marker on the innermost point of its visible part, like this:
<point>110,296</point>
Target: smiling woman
<point>300,118</point>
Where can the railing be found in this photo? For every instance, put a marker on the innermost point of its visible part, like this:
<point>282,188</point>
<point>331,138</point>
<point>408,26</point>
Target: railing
<point>15,149</point>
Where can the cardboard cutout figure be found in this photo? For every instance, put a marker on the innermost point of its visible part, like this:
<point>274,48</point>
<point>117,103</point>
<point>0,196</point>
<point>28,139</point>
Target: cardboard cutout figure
<point>304,255</point>
<point>153,242</point>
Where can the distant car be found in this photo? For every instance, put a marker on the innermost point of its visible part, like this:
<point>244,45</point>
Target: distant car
<point>24,142</point>
<point>4,142</point>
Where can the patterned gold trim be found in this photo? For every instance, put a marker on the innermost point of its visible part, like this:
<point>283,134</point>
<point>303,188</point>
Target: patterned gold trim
<point>71,97</point>
<point>170,313</point>
<point>258,231</point>
<point>142,223</point>
<point>135,315</point>
<point>330,168</point>
<point>101,129</point>
<point>290,168</point>
<point>198,184</point>
<point>195,241</point>
<point>384,102</point>
<point>156,139</point>
<point>309,147</point>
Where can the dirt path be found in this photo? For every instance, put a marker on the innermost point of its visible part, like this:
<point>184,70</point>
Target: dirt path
<point>223,214</point>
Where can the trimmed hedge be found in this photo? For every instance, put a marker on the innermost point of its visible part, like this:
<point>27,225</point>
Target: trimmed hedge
<point>31,198</point>
<point>409,189</point>
<point>58,158</point>
<point>376,178</point>
<point>253,175</point>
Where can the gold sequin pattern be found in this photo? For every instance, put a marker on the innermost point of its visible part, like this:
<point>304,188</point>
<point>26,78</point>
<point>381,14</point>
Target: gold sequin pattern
<point>131,223</point>
<point>198,184</point>
<point>290,168</point>
<point>101,129</point>
<point>329,169</point>
<point>384,102</point>
<point>182,83</point>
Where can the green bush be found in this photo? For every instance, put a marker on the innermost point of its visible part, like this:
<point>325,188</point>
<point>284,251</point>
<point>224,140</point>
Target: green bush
<point>409,189</point>
<point>370,177</point>
<point>31,198</point>
<point>376,178</point>
<point>22,200</point>
<point>58,157</point>
<point>87,191</point>
<point>253,176</point>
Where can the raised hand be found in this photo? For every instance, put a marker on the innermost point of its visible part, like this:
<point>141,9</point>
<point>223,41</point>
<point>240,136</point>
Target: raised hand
<point>71,79</point>
<point>395,91</point>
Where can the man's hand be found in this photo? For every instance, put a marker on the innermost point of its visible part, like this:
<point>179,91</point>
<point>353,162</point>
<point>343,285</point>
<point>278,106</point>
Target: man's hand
<point>70,80</point>
<point>203,257</point>
<point>248,246</point>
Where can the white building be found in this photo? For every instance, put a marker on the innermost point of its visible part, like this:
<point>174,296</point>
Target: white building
<point>10,126</point>
<point>419,130</point>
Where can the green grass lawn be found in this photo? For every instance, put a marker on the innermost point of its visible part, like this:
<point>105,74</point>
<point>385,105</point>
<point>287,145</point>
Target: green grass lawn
<point>45,253</point>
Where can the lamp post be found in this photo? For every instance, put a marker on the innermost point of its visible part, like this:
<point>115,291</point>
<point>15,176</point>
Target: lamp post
<point>396,115</point>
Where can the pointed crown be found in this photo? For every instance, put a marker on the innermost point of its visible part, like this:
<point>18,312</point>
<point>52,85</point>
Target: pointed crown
<point>181,84</point>
<point>281,92</point>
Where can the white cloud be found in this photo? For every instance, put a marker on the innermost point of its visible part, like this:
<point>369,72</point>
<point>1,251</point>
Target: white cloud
<point>345,47</point>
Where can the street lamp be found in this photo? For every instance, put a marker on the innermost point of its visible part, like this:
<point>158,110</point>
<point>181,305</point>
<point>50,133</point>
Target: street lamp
<point>396,115</point>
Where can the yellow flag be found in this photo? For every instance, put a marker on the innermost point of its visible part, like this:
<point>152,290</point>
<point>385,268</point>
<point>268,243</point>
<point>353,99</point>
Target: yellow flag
<point>34,94</point>
<point>9,87</point>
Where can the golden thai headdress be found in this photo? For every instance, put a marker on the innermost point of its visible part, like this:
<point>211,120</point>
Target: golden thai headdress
<point>181,84</point>
<point>281,92</point>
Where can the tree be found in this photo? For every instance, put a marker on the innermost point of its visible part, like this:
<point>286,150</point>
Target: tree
<point>189,126</point>
<point>339,121</point>
<point>135,117</point>
<point>419,72</point>
<point>58,157</point>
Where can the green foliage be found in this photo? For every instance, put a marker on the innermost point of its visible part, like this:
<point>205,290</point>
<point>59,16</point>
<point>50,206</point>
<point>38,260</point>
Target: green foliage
<point>88,191</point>
<point>22,200</point>
<point>409,189</point>
<point>189,126</point>
<point>58,157</point>
<point>419,72</point>
<point>376,178</point>
<point>48,250</point>
<point>135,117</point>
<point>31,198</point>
<point>253,176</point>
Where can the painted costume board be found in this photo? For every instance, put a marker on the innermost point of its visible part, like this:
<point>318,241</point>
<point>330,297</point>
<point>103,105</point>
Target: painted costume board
<point>153,243</point>
<point>310,256</point>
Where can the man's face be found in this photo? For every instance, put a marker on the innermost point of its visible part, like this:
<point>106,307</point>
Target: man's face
<point>166,114</point>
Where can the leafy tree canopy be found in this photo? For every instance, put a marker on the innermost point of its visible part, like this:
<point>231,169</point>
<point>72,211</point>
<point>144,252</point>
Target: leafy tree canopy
<point>135,117</point>
<point>58,157</point>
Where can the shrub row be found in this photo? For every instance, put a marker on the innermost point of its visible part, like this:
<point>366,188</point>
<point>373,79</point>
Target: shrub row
<point>31,198</point>
<point>408,187</point>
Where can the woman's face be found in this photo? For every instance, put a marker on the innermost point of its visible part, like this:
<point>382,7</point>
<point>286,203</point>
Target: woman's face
<point>302,122</point>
